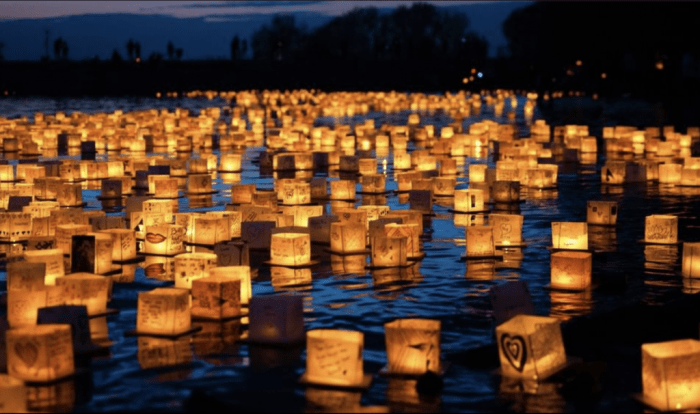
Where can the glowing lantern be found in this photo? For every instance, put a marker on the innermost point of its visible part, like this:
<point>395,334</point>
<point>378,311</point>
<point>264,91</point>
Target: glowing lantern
<point>405,180</point>
<point>469,200</point>
<point>163,311</point>
<point>389,251</point>
<point>123,244</point>
<point>15,226</point>
<point>13,395</point>
<point>661,229</point>
<point>413,346</point>
<point>334,357</point>
<point>571,270</point>
<point>530,347</point>
<point>603,213</point>
<point>421,200</point>
<point>690,177</point>
<point>669,374</point>
<point>506,191</point>
<point>52,258</point>
<point>240,273</point>
<point>410,232</point>
<point>25,276</point>
<point>230,163</point>
<point>538,178</point>
<point>164,186</point>
<point>570,236</point>
<point>444,186</point>
<point>290,249</point>
<point>192,266</point>
<point>670,173</point>
<point>86,289</point>
<point>69,195</point>
<point>216,297</point>
<point>402,161</point>
<point>91,253</point>
<point>342,190</point>
<point>41,353</point>
<point>507,229</point>
<point>242,193</point>
<point>480,241</point>
<point>210,230</point>
<point>691,260</point>
<point>348,237</point>
<point>296,193</point>
<point>373,183</point>
<point>23,305</point>
<point>165,239</point>
<point>199,184</point>
<point>368,166</point>
<point>276,320</point>
<point>65,232</point>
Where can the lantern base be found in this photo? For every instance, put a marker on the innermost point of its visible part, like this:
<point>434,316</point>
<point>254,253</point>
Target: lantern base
<point>161,255</point>
<point>78,372</point>
<point>137,259</point>
<point>121,197</point>
<point>569,362</point>
<point>229,171</point>
<point>678,243</point>
<point>299,266</point>
<point>416,258</point>
<point>347,200</point>
<point>443,196</point>
<point>550,288</point>
<point>639,397</point>
<point>167,336</point>
<point>106,312</point>
<point>378,267</point>
<point>44,198</point>
<point>194,193</point>
<point>83,204</point>
<point>451,210</point>
<point>385,372</point>
<point>515,245</point>
<point>348,253</point>
<point>363,385</point>
<point>558,250</point>
<point>297,204</point>
<point>243,314</point>
<point>383,192</point>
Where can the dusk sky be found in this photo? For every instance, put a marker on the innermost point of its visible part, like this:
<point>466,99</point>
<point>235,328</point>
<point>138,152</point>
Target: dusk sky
<point>202,28</point>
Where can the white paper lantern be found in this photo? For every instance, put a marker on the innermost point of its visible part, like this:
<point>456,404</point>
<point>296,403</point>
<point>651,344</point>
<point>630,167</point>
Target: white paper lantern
<point>163,311</point>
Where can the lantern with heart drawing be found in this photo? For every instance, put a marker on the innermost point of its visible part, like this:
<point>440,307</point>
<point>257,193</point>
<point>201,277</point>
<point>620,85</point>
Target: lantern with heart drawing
<point>669,374</point>
<point>507,229</point>
<point>480,241</point>
<point>334,357</point>
<point>413,346</point>
<point>530,347</point>
<point>41,353</point>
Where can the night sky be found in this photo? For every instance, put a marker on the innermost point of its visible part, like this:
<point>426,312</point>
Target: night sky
<point>203,29</point>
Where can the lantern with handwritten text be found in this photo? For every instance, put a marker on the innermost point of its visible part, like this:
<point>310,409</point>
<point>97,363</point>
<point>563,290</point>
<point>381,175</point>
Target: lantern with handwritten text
<point>53,258</point>
<point>334,357</point>
<point>413,346</point>
<point>669,374</point>
<point>342,190</point>
<point>348,237</point>
<point>216,297</point>
<point>86,289</point>
<point>123,244</point>
<point>389,251</point>
<point>41,353</point>
<point>192,266</point>
<point>661,229</point>
<point>480,241</point>
<point>290,249</point>
<point>163,311</point>
<point>571,270</point>
<point>165,239</point>
<point>507,229</point>
<point>570,235</point>
<point>530,347</point>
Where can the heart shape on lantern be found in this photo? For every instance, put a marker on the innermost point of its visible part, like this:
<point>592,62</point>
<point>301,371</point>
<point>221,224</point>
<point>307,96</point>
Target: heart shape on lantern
<point>505,229</point>
<point>27,352</point>
<point>515,351</point>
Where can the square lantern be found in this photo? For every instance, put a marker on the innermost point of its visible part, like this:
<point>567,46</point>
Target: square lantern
<point>216,297</point>
<point>165,239</point>
<point>402,161</point>
<point>603,213</point>
<point>480,241</point>
<point>123,244</point>
<point>210,230</point>
<point>111,189</point>
<point>242,193</point>
<point>443,186</point>
<point>506,191</point>
<point>240,273</point>
<point>367,166</point>
<point>52,258</point>
<point>41,353</point>
<point>410,232</point>
<point>23,305</point>
<point>26,276</point>
<point>670,379</point>
<point>413,346</point>
<point>469,200</point>
<point>348,237</point>
<point>530,347</point>
<point>670,173</point>
<point>404,180</point>
<point>268,199</point>
<point>342,190</point>
<point>295,193</point>
<point>15,226</point>
<point>192,266</point>
<point>13,394</point>
<point>373,183</point>
<point>570,235</point>
<point>334,357</point>
<point>91,253</point>
<point>389,251</point>
<point>661,229</point>
<point>477,173</point>
<point>164,187</point>
<point>230,163</point>
<point>507,229</point>
<point>276,320</point>
<point>199,184</point>
<point>290,249</point>
<point>65,232</point>
<point>691,260</point>
<point>421,200</point>
<point>86,289</point>
<point>571,270</point>
<point>163,311</point>
<point>69,195</point>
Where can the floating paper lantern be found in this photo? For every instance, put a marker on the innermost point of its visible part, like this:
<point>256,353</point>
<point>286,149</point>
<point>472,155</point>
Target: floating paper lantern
<point>69,195</point>
<point>216,297</point>
<point>507,229</point>
<point>506,191</point>
<point>373,183</point>
<point>570,235</point>
<point>443,186</point>
<point>334,357</point>
<point>52,258</point>
<point>268,199</point>
<point>240,273</point>
<point>65,232</point>
<point>210,230</point>
<point>15,226</point>
<point>242,193</point>
<point>368,166</point>
<point>230,163</point>
<point>402,161</point>
<point>86,289</point>
<point>410,232</point>
<point>165,239</point>
<point>295,193</point>
<point>602,213</point>
<point>91,253</point>
<point>111,189</point>
<point>661,229</point>
<point>290,249</point>
<point>421,200</point>
<point>41,353</point>
<point>571,270</point>
<point>389,251</point>
<point>413,346</point>
<point>480,241</point>
<point>349,163</point>
<point>163,311</point>
<point>199,183</point>
<point>192,266</point>
<point>469,200</point>
<point>13,395</point>
<point>25,276</point>
<point>670,173</point>
<point>669,374</point>
<point>530,347</point>
<point>123,244</point>
<point>342,190</point>
<point>348,237</point>
<point>276,320</point>
<point>23,305</point>
<point>691,260</point>
<point>163,186</point>
<point>404,181</point>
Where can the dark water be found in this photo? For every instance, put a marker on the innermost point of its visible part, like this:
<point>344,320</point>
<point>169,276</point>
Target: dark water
<point>213,371</point>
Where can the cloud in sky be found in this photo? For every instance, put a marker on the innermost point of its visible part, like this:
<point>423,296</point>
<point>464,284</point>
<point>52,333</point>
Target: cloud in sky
<point>14,10</point>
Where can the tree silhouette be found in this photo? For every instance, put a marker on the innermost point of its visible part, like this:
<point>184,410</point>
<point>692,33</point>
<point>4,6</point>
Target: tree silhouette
<point>60,48</point>
<point>171,50</point>
<point>244,48</point>
<point>178,53</point>
<point>137,50</point>
<point>116,57</point>
<point>130,46</point>
<point>2,46</point>
<point>280,41</point>
<point>235,48</point>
